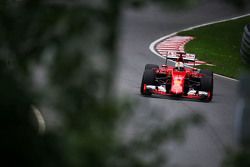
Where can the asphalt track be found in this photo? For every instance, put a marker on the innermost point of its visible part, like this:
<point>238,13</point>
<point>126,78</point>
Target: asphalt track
<point>204,145</point>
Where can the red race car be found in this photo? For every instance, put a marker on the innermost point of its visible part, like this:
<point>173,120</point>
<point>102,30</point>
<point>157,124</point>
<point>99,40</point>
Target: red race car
<point>178,80</point>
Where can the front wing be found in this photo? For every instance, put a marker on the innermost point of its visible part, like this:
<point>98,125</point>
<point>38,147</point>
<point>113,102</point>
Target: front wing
<point>192,94</point>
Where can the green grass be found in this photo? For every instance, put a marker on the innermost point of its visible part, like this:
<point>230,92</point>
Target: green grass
<point>219,44</point>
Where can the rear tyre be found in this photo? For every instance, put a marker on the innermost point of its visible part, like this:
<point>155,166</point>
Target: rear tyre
<point>147,79</point>
<point>207,84</point>
<point>151,66</point>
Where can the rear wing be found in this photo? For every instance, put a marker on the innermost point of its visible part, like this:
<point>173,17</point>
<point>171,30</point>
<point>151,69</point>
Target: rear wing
<point>174,55</point>
<point>189,59</point>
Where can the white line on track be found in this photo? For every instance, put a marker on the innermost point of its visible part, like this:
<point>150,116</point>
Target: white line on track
<point>222,76</point>
<point>153,44</point>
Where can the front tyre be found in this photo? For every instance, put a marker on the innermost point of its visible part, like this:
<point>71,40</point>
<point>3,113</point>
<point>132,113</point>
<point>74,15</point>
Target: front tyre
<point>147,79</point>
<point>207,73</point>
<point>207,86</point>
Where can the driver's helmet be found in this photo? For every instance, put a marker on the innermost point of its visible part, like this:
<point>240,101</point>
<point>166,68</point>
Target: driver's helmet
<point>179,66</point>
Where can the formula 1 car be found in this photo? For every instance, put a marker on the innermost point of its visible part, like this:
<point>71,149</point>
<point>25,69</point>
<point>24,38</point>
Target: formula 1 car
<point>178,80</point>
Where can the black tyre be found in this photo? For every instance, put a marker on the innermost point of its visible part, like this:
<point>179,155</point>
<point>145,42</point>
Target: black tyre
<point>247,30</point>
<point>207,73</point>
<point>207,84</point>
<point>245,48</point>
<point>148,79</point>
<point>245,56</point>
<point>248,27</point>
<point>151,66</point>
<point>245,45</point>
<point>245,38</point>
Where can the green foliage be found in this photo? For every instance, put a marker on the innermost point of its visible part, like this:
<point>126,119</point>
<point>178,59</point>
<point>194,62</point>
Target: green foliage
<point>174,4</point>
<point>239,158</point>
<point>56,41</point>
<point>240,4</point>
<point>181,4</point>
